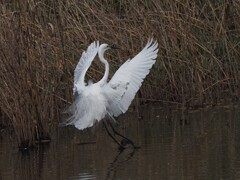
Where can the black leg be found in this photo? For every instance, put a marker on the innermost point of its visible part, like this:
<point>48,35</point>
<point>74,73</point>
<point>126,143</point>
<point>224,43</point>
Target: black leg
<point>114,139</point>
<point>127,139</point>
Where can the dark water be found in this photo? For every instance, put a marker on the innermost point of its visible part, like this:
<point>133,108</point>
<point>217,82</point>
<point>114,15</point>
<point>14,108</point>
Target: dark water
<point>203,144</point>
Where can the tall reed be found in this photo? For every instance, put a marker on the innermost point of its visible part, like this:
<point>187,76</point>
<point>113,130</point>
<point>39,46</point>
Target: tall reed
<point>41,42</point>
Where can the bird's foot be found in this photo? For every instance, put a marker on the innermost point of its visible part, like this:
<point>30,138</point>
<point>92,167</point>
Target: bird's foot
<point>125,143</point>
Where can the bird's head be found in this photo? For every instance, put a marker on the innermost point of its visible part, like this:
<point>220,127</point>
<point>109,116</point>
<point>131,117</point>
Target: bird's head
<point>105,47</point>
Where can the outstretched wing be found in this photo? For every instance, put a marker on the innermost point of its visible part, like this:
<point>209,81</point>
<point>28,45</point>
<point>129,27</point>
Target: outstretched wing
<point>125,83</point>
<point>83,65</point>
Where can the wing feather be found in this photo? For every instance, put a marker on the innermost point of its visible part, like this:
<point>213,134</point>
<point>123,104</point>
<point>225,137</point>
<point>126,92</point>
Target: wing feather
<point>83,65</point>
<point>128,79</point>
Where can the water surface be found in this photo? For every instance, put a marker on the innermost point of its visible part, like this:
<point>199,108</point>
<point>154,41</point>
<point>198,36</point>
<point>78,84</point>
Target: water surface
<point>175,144</point>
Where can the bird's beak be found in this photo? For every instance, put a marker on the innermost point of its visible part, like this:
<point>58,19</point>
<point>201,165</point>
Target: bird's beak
<point>113,46</point>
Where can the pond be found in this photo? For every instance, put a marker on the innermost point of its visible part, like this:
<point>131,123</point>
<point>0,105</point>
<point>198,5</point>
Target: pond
<point>175,144</point>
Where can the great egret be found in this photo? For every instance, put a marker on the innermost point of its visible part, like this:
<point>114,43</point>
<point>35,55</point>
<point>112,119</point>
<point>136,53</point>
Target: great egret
<point>95,101</point>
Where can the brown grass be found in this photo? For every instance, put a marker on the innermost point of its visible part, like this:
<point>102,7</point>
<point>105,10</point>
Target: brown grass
<point>41,42</point>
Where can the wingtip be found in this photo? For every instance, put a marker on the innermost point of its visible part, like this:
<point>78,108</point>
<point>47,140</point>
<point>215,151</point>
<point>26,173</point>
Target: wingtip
<point>152,43</point>
<point>150,40</point>
<point>95,44</point>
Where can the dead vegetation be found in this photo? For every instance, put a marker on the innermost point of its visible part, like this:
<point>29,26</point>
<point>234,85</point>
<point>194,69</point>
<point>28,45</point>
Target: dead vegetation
<point>41,42</point>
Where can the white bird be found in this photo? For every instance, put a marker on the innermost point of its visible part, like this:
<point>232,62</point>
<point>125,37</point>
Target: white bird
<point>95,101</point>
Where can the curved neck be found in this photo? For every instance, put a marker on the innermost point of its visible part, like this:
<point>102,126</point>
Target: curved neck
<point>104,61</point>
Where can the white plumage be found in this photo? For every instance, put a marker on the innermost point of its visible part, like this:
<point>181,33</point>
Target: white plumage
<point>83,65</point>
<point>94,101</point>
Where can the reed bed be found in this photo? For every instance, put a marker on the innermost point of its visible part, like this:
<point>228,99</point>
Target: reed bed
<point>41,42</point>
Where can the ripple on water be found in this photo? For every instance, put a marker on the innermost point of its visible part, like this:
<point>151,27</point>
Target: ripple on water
<point>83,176</point>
